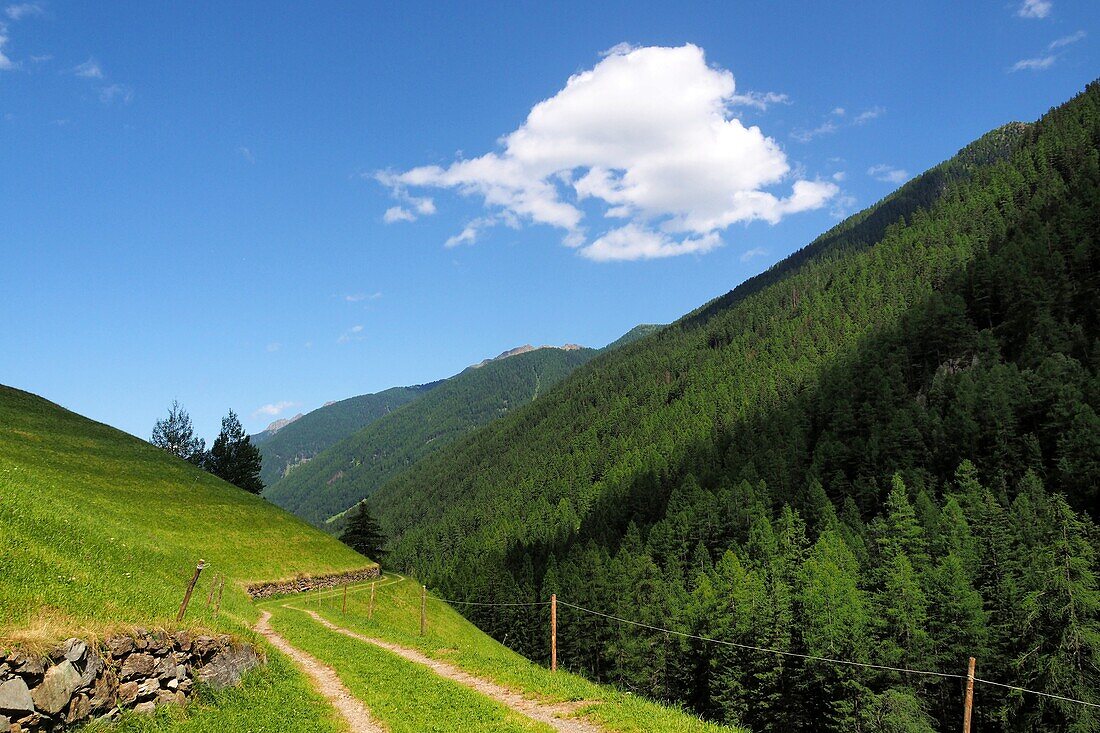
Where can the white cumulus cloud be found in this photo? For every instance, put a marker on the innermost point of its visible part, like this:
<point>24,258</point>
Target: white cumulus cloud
<point>647,136</point>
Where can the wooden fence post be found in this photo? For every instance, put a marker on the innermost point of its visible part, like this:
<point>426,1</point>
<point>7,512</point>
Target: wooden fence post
<point>968,706</point>
<point>553,632</point>
<point>190,590</point>
<point>218,602</point>
<point>423,608</point>
<point>344,605</point>
<point>370,608</point>
<point>210,595</point>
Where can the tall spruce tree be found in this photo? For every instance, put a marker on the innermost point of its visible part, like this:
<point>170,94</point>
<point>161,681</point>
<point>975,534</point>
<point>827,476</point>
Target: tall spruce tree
<point>363,534</point>
<point>234,458</point>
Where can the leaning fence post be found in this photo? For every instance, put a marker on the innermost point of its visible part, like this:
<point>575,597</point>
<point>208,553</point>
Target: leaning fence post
<point>968,706</point>
<point>423,608</point>
<point>218,602</point>
<point>344,605</point>
<point>553,632</point>
<point>370,608</point>
<point>190,590</point>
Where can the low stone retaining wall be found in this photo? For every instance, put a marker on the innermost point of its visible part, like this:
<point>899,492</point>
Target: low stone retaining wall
<point>305,583</point>
<point>79,681</point>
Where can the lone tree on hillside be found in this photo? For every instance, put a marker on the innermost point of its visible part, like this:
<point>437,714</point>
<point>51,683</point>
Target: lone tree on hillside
<point>363,533</point>
<point>234,458</point>
<point>175,435</point>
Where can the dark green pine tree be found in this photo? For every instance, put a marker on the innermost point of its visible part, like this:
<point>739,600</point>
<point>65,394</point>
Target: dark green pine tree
<point>363,534</point>
<point>1058,642</point>
<point>234,458</point>
<point>175,435</point>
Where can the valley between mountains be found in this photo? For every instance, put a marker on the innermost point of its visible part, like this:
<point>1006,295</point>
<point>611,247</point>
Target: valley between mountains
<point>834,498</point>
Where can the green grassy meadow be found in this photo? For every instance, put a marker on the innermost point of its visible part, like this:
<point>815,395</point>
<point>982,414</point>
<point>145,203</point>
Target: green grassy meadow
<point>450,637</point>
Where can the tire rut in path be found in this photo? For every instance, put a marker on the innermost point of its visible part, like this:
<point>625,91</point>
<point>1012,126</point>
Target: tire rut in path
<point>544,712</point>
<point>325,678</point>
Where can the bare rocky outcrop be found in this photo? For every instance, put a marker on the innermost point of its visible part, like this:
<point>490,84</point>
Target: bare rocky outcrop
<point>80,681</point>
<point>316,582</point>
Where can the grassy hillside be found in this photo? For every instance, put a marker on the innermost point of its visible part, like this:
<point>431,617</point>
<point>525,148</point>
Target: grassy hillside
<point>354,467</point>
<point>317,430</point>
<point>98,527</point>
<point>866,446</point>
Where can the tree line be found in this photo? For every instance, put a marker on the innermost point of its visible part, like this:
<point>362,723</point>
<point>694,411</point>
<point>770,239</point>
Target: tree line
<point>232,457</point>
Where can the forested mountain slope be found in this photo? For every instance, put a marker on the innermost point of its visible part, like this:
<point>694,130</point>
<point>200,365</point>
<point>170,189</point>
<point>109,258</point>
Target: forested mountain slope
<point>883,449</point>
<point>315,431</point>
<point>351,469</point>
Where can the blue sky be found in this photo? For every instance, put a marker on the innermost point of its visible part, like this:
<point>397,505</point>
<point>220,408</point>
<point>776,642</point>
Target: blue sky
<point>194,197</point>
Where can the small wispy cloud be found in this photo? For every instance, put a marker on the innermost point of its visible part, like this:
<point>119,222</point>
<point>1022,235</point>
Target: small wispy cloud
<point>759,100</point>
<point>6,64</point>
<point>1044,61</point>
<point>273,409</point>
<point>828,127</point>
<point>360,297</point>
<point>19,11</point>
<point>116,93</point>
<point>867,115</point>
<point>1035,8</point>
<point>90,69</point>
<point>246,153</point>
<point>842,206</point>
<point>754,252</point>
<point>355,333</point>
<point>1066,40</point>
<point>837,119</point>
<point>398,213</point>
<point>1039,63</point>
<point>888,174</point>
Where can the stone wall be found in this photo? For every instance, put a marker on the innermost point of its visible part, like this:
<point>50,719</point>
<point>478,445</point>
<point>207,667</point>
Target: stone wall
<point>79,681</point>
<point>305,583</point>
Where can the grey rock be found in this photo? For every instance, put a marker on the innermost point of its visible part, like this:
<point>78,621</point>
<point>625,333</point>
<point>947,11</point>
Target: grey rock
<point>32,668</point>
<point>137,665</point>
<point>148,688</point>
<point>228,665</point>
<point>165,669</point>
<point>15,697</point>
<point>5,722</point>
<point>204,646</point>
<point>182,641</point>
<point>93,665</point>
<point>103,694</point>
<point>79,709</point>
<point>119,646</point>
<point>58,685</point>
<point>74,650</point>
<point>127,693</point>
<point>145,708</point>
<point>167,697</point>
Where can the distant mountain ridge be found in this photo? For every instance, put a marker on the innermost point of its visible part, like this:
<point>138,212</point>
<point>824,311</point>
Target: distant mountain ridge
<point>526,348</point>
<point>353,467</point>
<point>304,436</point>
